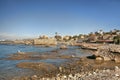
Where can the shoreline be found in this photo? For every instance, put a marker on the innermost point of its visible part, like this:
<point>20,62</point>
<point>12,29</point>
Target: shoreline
<point>76,68</point>
<point>82,68</point>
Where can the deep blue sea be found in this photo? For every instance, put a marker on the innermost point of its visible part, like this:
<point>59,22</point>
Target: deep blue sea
<point>8,68</point>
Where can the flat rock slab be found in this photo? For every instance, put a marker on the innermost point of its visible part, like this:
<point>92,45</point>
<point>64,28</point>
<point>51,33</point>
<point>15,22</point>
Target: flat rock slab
<point>37,66</point>
<point>38,56</point>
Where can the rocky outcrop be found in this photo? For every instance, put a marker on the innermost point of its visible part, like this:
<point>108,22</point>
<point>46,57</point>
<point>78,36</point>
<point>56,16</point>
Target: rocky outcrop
<point>63,47</point>
<point>6,42</point>
<point>26,42</point>
<point>108,52</point>
<point>44,42</point>
<point>104,52</point>
<point>19,42</point>
<point>90,46</point>
<point>115,48</point>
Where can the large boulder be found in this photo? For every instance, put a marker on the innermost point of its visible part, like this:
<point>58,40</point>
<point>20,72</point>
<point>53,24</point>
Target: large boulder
<point>99,58</point>
<point>63,47</point>
<point>117,58</point>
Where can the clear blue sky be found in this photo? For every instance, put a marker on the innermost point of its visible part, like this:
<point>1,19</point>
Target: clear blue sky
<point>67,17</point>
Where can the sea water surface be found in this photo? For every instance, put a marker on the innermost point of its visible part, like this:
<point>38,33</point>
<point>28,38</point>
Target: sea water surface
<point>8,68</point>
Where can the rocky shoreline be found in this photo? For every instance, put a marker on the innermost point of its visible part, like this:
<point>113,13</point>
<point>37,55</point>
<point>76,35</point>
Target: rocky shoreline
<point>95,46</point>
<point>103,65</point>
<point>104,52</point>
<point>81,69</point>
<point>77,68</point>
<point>96,75</point>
